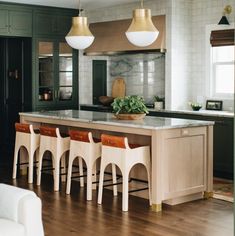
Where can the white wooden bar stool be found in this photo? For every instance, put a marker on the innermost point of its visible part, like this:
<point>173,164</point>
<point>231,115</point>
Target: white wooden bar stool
<point>85,147</point>
<point>28,138</point>
<point>51,140</point>
<point>116,150</point>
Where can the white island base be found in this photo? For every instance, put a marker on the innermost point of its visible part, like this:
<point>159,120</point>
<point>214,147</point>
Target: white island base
<point>181,150</point>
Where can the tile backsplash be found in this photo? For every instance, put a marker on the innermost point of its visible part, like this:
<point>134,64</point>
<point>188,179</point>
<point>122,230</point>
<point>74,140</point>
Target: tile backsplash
<point>144,74</point>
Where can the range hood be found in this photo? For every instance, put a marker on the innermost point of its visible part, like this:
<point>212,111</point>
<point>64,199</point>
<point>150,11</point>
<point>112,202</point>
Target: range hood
<point>110,38</point>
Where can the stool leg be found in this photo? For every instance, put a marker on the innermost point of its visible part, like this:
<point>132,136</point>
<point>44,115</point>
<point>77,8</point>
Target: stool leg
<point>15,161</point>
<point>37,159</point>
<point>56,175</point>
<point>94,176</point>
<point>30,176</point>
<point>63,170</point>
<point>69,175</point>
<point>80,163</point>
<point>100,191</point>
<point>89,182</point>
<point>114,175</point>
<point>125,192</point>
<point>39,167</point>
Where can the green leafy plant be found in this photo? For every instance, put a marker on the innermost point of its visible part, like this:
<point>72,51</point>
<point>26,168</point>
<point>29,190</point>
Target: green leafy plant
<point>133,104</point>
<point>195,106</point>
<point>159,99</point>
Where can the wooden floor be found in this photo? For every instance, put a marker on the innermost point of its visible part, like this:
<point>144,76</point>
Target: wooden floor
<point>68,215</point>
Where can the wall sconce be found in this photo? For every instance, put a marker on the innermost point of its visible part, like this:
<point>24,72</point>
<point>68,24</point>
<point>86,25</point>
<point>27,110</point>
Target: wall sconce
<point>224,20</point>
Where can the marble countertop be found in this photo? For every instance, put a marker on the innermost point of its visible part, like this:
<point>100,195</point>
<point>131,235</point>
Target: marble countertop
<point>149,122</point>
<point>200,112</point>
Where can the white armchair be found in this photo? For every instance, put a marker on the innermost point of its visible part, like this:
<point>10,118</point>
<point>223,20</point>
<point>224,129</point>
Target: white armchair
<point>20,212</point>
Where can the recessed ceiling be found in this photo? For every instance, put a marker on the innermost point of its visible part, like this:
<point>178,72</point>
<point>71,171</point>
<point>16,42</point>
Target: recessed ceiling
<point>86,4</point>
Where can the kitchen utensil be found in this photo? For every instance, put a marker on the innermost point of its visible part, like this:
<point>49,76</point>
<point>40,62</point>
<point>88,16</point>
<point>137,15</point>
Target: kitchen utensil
<point>118,88</point>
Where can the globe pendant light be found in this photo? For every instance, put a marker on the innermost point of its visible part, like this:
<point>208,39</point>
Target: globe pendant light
<point>142,31</point>
<point>79,36</point>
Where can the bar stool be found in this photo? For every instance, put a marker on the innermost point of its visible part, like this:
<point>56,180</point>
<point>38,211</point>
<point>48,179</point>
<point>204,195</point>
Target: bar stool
<point>116,150</point>
<point>87,148</point>
<point>51,140</point>
<point>28,138</point>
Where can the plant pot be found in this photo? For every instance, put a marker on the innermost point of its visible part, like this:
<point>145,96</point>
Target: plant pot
<point>130,116</point>
<point>158,105</point>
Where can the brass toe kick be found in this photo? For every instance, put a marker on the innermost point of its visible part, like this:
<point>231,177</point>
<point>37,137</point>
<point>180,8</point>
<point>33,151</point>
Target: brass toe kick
<point>156,207</point>
<point>208,195</point>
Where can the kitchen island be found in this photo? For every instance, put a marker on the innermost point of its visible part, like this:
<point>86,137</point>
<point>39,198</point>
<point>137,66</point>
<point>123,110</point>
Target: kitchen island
<point>181,150</point>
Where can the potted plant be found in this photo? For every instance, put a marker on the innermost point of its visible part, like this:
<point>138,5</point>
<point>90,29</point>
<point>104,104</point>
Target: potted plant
<point>129,108</point>
<point>159,102</point>
<point>195,106</point>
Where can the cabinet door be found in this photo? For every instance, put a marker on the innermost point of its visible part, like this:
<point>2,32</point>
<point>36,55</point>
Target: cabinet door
<point>57,77</point>
<point>20,23</point>
<point>99,79</point>
<point>67,73</point>
<point>4,22</point>
<point>45,24</point>
<point>63,25</point>
<point>184,163</point>
<point>46,74</point>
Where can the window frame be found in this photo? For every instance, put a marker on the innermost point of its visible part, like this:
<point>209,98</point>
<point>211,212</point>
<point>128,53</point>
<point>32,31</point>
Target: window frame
<point>210,81</point>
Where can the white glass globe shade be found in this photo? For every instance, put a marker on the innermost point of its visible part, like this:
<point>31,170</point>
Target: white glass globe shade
<point>79,42</point>
<point>142,38</point>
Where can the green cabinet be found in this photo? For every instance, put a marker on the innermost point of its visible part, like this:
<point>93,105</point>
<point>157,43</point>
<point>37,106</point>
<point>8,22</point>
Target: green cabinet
<point>56,73</point>
<point>16,22</point>
<point>46,23</point>
<point>3,22</point>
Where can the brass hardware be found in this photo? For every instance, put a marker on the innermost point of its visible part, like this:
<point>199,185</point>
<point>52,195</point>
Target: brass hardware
<point>156,207</point>
<point>227,10</point>
<point>14,74</point>
<point>208,195</point>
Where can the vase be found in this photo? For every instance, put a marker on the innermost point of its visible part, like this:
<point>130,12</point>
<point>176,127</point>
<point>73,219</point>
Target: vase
<point>130,116</point>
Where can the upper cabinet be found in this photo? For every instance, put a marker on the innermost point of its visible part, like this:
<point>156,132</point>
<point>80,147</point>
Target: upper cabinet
<point>46,23</point>
<point>56,73</point>
<point>15,22</point>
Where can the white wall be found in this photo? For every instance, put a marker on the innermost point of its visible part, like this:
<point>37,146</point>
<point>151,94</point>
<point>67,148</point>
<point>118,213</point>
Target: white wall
<point>205,13</point>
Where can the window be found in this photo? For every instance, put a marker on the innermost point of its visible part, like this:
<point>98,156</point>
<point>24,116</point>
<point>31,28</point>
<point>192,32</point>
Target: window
<point>222,71</point>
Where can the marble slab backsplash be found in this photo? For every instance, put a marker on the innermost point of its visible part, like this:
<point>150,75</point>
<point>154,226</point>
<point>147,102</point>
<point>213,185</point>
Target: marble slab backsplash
<point>144,74</point>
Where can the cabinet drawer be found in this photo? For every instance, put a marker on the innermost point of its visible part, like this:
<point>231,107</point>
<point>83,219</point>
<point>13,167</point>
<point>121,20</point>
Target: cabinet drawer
<point>177,133</point>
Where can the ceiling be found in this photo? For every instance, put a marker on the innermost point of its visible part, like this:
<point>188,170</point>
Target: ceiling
<point>86,4</point>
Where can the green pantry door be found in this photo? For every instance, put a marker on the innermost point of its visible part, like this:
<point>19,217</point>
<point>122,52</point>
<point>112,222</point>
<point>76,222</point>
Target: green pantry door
<point>15,89</point>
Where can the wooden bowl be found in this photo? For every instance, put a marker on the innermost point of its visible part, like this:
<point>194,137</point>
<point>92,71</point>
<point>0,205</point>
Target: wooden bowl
<point>106,100</point>
<point>130,116</point>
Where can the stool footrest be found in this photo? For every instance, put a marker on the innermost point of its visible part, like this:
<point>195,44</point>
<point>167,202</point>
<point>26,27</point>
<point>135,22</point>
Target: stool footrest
<point>46,169</point>
<point>137,190</point>
<point>25,163</point>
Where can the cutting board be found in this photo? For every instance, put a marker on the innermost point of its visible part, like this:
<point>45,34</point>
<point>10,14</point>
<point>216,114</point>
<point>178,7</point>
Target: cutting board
<point>118,88</point>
